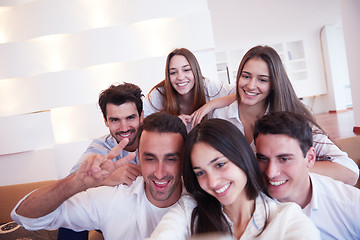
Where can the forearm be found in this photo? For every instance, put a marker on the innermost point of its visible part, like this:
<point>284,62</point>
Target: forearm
<point>335,171</point>
<point>223,101</point>
<point>45,200</point>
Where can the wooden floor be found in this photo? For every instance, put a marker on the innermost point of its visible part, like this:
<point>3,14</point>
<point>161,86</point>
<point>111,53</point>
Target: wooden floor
<point>337,125</point>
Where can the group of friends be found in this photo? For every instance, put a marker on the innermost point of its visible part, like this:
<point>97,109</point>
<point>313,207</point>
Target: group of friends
<point>197,156</point>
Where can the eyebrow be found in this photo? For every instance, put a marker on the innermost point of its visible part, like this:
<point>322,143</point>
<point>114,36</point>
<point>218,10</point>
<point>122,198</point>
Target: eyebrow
<point>113,118</point>
<point>166,155</point>
<point>260,155</point>
<point>252,74</point>
<point>211,162</point>
<point>284,155</point>
<point>187,65</point>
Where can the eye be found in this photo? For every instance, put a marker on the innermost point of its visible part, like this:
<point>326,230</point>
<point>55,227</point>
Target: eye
<point>172,159</point>
<point>220,165</point>
<point>245,76</point>
<point>187,69</point>
<point>200,173</point>
<point>263,80</point>
<point>284,159</point>
<point>172,72</point>
<point>262,158</point>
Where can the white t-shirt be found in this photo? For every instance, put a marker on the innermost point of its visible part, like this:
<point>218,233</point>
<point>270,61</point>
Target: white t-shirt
<point>121,212</point>
<point>285,221</point>
<point>334,208</point>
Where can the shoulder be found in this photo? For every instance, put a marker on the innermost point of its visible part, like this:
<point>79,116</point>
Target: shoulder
<point>326,187</point>
<point>290,220</point>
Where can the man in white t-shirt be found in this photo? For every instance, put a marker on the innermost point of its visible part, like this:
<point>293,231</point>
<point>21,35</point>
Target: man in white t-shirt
<point>80,202</point>
<point>285,154</point>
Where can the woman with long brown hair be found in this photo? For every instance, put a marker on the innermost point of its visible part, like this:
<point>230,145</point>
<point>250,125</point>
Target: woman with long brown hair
<point>184,89</point>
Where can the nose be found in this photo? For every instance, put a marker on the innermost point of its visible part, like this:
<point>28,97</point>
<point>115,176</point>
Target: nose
<point>123,127</point>
<point>212,180</point>
<point>160,172</point>
<point>252,83</point>
<point>181,75</point>
<point>272,170</point>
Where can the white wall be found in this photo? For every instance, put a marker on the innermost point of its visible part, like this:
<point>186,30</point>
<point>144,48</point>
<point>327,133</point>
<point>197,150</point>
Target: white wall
<point>336,67</point>
<point>350,10</point>
<point>56,57</point>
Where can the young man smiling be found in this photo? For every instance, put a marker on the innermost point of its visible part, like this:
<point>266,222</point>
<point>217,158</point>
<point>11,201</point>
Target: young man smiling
<point>121,212</point>
<point>285,154</point>
<point>122,108</point>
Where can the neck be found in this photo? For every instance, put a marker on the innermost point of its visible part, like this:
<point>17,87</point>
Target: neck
<point>240,214</point>
<point>253,111</point>
<point>132,147</point>
<point>186,102</point>
<point>304,199</point>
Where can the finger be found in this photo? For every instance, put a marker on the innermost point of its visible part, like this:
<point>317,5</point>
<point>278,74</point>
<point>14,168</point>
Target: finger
<point>117,149</point>
<point>86,164</point>
<point>95,169</point>
<point>134,169</point>
<point>125,159</point>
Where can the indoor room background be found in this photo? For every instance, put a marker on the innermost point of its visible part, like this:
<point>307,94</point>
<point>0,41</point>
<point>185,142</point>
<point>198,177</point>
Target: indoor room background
<point>57,55</point>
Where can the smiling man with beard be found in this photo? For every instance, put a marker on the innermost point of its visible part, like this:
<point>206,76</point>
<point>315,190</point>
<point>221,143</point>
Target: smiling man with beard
<point>122,108</point>
<point>80,202</point>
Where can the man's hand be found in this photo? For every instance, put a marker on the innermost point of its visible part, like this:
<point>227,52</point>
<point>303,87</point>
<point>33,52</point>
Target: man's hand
<point>125,174</point>
<point>94,171</point>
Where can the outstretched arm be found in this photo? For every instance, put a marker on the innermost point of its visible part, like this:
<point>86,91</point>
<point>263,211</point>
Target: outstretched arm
<point>337,164</point>
<point>335,171</point>
<point>199,114</point>
<point>92,173</point>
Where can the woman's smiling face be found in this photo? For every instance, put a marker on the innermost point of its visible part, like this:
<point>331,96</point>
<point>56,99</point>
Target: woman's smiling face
<point>217,175</point>
<point>254,84</point>
<point>181,74</point>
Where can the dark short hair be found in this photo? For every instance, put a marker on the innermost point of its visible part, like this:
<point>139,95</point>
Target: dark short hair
<point>163,123</point>
<point>288,123</point>
<point>120,94</point>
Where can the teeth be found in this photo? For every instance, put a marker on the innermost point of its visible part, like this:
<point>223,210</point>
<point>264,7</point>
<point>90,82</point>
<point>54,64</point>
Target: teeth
<point>160,183</point>
<point>125,134</point>
<point>182,84</point>
<point>251,94</point>
<point>223,188</point>
<point>277,183</point>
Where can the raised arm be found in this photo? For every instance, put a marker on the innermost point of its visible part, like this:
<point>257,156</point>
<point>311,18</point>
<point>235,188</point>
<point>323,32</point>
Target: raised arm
<point>199,114</point>
<point>92,173</point>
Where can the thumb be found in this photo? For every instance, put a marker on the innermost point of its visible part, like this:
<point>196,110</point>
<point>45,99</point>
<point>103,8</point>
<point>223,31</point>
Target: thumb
<point>125,159</point>
<point>117,149</point>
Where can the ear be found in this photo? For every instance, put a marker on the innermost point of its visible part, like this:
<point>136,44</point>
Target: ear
<point>137,154</point>
<point>310,157</point>
<point>106,122</point>
<point>142,116</point>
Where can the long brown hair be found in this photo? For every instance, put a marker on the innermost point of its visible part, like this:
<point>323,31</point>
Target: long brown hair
<point>170,101</point>
<point>282,96</point>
